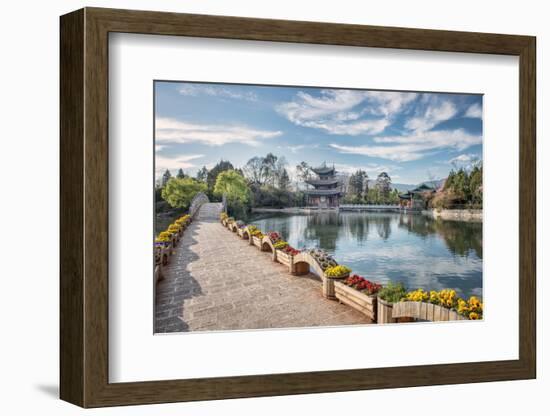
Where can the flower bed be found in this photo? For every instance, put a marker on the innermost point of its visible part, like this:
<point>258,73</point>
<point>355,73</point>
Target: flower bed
<point>387,296</point>
<point>285,253</point>
<point>439,306</point>
<point>166,241</point>
<point>257,241</point>
<point>391,303</point>
<point>359,293</point>
<point>337,272</point>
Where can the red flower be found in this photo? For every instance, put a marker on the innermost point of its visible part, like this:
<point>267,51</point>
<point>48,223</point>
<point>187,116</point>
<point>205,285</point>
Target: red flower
<point>362,284</point>
<point>274,236</point>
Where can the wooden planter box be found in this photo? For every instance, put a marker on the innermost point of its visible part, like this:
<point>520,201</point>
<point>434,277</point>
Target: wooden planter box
<point>366,304</point>
<point>158,273</point>
<point>257,242</point>
<point>224,223</point>
<point>384,311</point>
<point>240,232</point>
<point>425,311</point>
<point>328,286</point>
<point>285,259</point>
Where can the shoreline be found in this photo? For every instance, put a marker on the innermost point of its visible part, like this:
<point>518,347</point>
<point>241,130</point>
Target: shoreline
<point>465,215</point>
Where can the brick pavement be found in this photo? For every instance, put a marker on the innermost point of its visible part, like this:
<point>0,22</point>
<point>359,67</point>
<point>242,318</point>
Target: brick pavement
<point>216,281</point>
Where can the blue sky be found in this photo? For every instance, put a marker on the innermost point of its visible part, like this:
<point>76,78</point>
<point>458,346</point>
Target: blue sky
<point>414,137</point>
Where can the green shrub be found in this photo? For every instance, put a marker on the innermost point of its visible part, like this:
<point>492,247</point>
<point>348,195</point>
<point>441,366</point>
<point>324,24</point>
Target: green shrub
<point>393,292</point>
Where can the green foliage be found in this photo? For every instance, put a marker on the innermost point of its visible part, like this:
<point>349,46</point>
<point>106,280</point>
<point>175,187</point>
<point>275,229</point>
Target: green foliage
<point>233,185</point>
<point>202,174</point>
<point>393,292</point>
<point>179,192</point>
<point>383,184</point>
<point>461,188</point>
<point>270,196</point>
<point>180,174</point>
<point>357,183</point>
<point>212,175</point>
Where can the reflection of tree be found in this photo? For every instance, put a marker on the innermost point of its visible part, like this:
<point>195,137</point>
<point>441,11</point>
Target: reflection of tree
<point>356,225</point>
<point>459,236</point>
<point>323,227</point>
<point>383,227</point>
<point>418,224</point>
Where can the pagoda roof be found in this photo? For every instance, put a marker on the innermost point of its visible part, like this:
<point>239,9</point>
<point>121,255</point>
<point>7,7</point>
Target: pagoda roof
<point>318,182</point>
<point>423,188</point>
<point>323,192</point>
<point>323,170</point>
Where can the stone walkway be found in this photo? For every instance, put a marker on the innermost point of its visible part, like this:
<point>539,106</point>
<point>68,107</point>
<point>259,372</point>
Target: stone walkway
<point>216,281</point>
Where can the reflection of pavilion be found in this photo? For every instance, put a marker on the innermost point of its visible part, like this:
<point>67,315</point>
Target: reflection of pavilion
<point>416,198</point>
<point>327,192</point>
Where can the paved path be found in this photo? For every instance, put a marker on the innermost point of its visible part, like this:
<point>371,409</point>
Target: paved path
<point>216,281</point>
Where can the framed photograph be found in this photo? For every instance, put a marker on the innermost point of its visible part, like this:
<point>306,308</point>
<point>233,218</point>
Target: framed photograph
<point>255,207</point>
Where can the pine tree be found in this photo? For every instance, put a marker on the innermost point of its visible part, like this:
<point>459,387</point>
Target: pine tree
<point>202,174</point>
<point>180,174</point>
<point>166,177</point>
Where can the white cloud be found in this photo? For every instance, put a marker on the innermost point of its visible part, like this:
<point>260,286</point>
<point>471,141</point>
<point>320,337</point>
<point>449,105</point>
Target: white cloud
<point>414,146</point>
<point>174,163</point>
<point>217,91</point>
<point>389,103</point>
<point>466,161</point>
<point>334,111</point>
<point>168,130</point>
<point>474,111</point>
<point>372,169</point>
<point>299,147</point>
<point>435,112</point>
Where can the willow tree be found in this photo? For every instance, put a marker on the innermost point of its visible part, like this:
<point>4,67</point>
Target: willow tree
<point>233,185</point>
<point>179,192</point>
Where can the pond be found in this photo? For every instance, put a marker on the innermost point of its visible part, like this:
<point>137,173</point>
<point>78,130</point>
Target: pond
<point>413,249</point>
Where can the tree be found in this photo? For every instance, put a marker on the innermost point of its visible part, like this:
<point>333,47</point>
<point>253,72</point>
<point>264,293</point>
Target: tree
<point>179,192</point>
<point>356,183</point>
<point>180,174</point>
<point>253,170</point>
<point>202,174</point>
<point>283,180</point>
<point>269,168</point>
<point>476,184</point>
<point>383,184</point>
<point>303,173</point>
<point>280,175</point>
<point>213,173</point>
<point>233,185</point>
<point>165,178</point>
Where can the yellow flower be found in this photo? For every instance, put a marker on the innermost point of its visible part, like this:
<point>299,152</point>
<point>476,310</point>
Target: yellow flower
<point>473,315</point>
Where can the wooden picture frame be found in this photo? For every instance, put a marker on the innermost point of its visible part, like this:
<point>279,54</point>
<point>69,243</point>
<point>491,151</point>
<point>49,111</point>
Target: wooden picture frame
<point>84,207</point>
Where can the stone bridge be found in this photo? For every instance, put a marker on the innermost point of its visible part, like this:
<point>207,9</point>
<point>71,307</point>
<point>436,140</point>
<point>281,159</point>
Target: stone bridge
<point>216,281</point>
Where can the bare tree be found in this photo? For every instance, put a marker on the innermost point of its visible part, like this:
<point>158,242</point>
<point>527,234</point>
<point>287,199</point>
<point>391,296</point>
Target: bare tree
<point>253,170</point>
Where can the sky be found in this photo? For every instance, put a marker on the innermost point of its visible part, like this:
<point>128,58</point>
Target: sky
<point>413,136</point>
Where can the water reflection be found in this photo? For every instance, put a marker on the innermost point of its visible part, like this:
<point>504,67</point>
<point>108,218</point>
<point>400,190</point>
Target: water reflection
<point>412,248</point>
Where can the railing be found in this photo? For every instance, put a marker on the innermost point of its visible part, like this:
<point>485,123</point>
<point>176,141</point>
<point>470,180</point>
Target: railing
<point>367,207</point>
<point>197,203</point>
<point>224,203</point>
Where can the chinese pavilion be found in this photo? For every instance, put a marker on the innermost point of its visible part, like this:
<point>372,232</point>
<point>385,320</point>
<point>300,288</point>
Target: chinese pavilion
<point>416,198</point>
<point>327,191</point>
